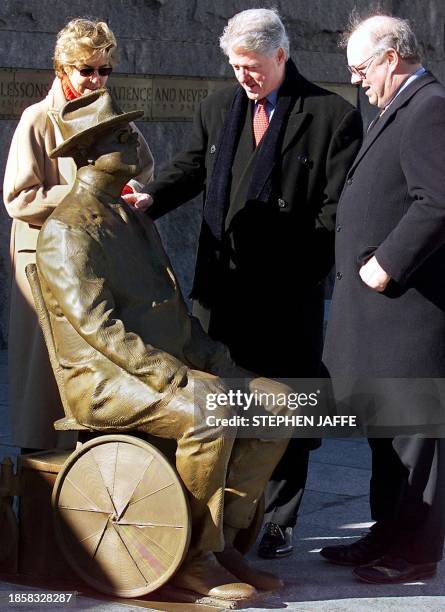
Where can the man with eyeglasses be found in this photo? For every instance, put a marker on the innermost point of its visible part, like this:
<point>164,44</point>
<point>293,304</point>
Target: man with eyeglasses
<point>388,310</point>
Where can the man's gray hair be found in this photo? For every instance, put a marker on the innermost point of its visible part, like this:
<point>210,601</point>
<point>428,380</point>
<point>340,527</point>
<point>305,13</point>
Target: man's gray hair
<point>387,32</point>
<point>259,30</point>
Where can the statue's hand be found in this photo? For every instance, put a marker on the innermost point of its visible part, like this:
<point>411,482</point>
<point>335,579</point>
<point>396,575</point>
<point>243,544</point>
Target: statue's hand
<point>198,397</point>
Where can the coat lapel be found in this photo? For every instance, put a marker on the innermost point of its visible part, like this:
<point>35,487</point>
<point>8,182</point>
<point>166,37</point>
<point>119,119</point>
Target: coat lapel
<point>243,163</point>
<point>296,116</point>
<point>294,124</point>
<point>389,115</point>
<point>56,99</point>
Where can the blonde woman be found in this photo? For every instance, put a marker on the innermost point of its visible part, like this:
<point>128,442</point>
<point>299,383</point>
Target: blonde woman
<point>34,184</point>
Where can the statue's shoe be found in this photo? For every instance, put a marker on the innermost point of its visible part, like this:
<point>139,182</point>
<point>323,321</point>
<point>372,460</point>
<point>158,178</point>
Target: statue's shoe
<point>204,575</point>
<point>236,564</point>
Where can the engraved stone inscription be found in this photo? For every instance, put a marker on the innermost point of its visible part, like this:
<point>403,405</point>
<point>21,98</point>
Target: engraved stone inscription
<point>133,93</point>
<point>180,97</point>
<point>162,98</point>
<point>20,88</point>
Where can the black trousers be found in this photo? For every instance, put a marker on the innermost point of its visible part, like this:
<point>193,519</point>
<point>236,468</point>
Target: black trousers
<point>279,338</point>
<point>285,489</point>
<point>407,496</point>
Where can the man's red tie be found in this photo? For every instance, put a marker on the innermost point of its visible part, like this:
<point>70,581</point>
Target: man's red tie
<point>260,121</point>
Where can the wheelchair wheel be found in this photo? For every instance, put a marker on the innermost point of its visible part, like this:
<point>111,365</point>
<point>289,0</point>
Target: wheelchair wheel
<point>121,516</point>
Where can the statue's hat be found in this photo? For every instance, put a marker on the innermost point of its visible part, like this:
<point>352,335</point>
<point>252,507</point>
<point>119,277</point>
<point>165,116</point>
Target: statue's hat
<point>85,116</point>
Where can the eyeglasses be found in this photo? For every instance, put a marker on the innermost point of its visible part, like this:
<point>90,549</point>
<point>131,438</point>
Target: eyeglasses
<point>361,70</point>
<point>87,71</point>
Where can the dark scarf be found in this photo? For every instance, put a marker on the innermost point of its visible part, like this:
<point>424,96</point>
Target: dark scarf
<point>217,201</point>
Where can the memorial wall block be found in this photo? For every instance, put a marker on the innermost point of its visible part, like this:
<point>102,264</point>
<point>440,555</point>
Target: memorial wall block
<point>162,98</point>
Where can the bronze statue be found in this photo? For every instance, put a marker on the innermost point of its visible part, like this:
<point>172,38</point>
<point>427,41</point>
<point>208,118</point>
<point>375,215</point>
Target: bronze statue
<point>132,356</point>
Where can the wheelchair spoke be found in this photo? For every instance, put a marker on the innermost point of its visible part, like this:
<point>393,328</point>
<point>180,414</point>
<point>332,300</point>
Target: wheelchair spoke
<point>141,524</point>
<point>128,551</point>
<point>101,535</point>
<point>151,558</point>
<point>135,501</point>
<point>82,494</point>
<point>83,509</point>
<point>125,506</point>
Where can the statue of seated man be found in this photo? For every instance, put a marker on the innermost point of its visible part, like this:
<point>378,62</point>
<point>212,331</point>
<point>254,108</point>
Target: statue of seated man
<point>132,356</point>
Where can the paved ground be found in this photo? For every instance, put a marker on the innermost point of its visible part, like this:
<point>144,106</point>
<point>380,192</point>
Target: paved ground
<point>335,508</point>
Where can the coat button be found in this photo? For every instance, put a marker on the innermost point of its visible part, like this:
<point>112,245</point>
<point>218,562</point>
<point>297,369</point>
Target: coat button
<point>303,159</point>
<point>338,228</point>
<point>349,181</point>
<point>339,276</point>
<point>212,149</point>
<point>282,203</point>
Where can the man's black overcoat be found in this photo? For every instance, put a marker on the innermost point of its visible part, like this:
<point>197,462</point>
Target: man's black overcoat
<point>268,306</point>
<point>393,206</point>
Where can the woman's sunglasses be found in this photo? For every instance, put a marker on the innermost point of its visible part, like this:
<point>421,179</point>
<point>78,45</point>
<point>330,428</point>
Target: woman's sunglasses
<point>87,71</point>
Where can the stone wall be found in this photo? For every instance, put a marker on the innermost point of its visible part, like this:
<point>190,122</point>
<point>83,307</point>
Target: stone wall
<point>180,37</point>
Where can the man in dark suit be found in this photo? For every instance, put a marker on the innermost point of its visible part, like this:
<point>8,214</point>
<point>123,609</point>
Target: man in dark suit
<point>271,154</point>
<point>388,311</point>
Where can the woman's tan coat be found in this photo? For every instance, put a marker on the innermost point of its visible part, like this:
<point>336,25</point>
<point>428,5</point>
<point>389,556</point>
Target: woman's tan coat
<point>34,185</point>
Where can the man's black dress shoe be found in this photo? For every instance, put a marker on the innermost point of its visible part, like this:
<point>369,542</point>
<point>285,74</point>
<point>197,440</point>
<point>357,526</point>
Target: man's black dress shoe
<point>276,542</point>
<point>390,570</point>
<point>363,551</point>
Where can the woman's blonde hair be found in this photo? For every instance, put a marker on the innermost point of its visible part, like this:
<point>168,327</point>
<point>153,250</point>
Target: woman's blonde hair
<point>79,40</point>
